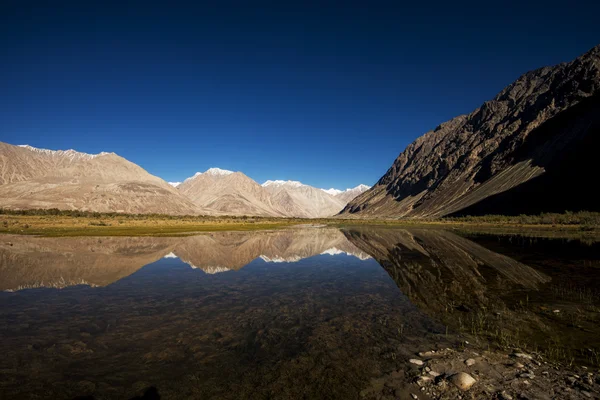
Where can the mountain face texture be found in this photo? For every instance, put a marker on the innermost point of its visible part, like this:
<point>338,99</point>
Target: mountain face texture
<point>227,192</point>
<point>531,149</point>
<point>350,194</point>
<point>299,200</point>
<point>233,193</point>
<point>69,180</point>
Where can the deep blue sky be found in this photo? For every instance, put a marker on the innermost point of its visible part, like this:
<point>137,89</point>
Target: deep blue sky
<point>328,93</point>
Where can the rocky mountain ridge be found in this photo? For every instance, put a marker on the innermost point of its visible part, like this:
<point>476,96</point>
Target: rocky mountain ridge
<point>526,151</point>
<point>234,193</point>
<point>105,182</point>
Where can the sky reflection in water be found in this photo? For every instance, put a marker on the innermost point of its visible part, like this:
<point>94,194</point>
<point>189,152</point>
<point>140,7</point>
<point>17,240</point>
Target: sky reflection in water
<point>289,313</point>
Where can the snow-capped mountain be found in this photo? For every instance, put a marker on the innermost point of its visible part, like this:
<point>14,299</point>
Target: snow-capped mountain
<point>218,171</point>
<point>68,179</point>
<point>210,171</point>
<point>72,180</point>
<point>296,199</point>
<point>279,183</point>
<point>348,194</point>
<point>228,192</point>
<point>332,191</point>
<point>70,154</point>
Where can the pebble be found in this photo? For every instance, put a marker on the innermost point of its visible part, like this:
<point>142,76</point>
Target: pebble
<point>414,396</point>
<point>423,380</point>
<point>434,374</point>
<point>427,353</point>
<point>555,311</point>
<point>504,396</point>
<point>518,365</point>
<point>462,380</point>
<point>523,355</point>
<point>415,361</point>
<point>470,362</point>
<point>527,375</point>
<point>586,393</point>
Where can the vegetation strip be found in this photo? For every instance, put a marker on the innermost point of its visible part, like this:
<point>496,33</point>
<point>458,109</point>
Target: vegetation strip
<point>80,223</point>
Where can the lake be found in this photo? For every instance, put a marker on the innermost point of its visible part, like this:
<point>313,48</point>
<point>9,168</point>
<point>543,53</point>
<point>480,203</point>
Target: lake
<point>291,313</point>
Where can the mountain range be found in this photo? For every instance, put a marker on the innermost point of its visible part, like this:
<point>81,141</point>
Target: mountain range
<point>531,149</point>
<point>39,178</point>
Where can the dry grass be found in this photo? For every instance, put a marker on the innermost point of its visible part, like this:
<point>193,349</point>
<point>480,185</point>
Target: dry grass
<point>77,223</point>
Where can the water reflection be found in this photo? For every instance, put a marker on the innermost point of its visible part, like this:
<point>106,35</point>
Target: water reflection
<point>28,262</point>
<point>550,304</point>
<point>303,313</point>
<point>298,314</point>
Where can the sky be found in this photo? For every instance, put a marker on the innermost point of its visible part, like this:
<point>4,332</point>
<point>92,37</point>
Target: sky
<point>328,93</point>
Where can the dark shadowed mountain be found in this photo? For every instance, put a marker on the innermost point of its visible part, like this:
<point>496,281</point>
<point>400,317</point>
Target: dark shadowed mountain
<point>528,150</point>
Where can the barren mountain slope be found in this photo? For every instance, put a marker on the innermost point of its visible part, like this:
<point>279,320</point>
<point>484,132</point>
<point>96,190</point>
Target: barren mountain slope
<point>228,192</point>
<point>527,150</point>
<point>350,194</point>
<point>298,200</point>
<point>36,178</point>
<point>20,163</point>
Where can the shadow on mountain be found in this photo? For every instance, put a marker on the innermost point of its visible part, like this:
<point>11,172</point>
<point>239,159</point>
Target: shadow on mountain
<point>565,146</point>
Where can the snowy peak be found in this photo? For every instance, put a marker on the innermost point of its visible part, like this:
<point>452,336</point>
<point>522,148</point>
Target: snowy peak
<point>362,187</point>
<point>210,171</point>
<point>218,171</point>
<point>278,183</point>
<point>72,154</point>
<point>174,184</point>
<point>348,194</point>
<point>192,177</point>
<point>332,191</point>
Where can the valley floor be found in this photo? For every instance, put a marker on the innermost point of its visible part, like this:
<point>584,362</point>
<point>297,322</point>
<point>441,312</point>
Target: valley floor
<point>40,222</point>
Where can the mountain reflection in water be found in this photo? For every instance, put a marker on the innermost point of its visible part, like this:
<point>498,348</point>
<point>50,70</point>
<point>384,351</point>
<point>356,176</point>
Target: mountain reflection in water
<point>298,313</point>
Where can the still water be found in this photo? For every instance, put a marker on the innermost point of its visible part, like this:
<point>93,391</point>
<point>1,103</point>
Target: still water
<point>298,313</point>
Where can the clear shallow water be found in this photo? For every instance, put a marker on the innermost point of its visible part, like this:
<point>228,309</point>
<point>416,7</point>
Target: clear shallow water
<point>311,313</point>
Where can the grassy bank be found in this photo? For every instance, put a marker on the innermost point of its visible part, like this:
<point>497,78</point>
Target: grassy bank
<point>581,218</point>
<point>78,223</point>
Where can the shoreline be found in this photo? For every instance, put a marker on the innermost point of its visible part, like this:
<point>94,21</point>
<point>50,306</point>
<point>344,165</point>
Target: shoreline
<point>152,225</point>
<point>472,371</point>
